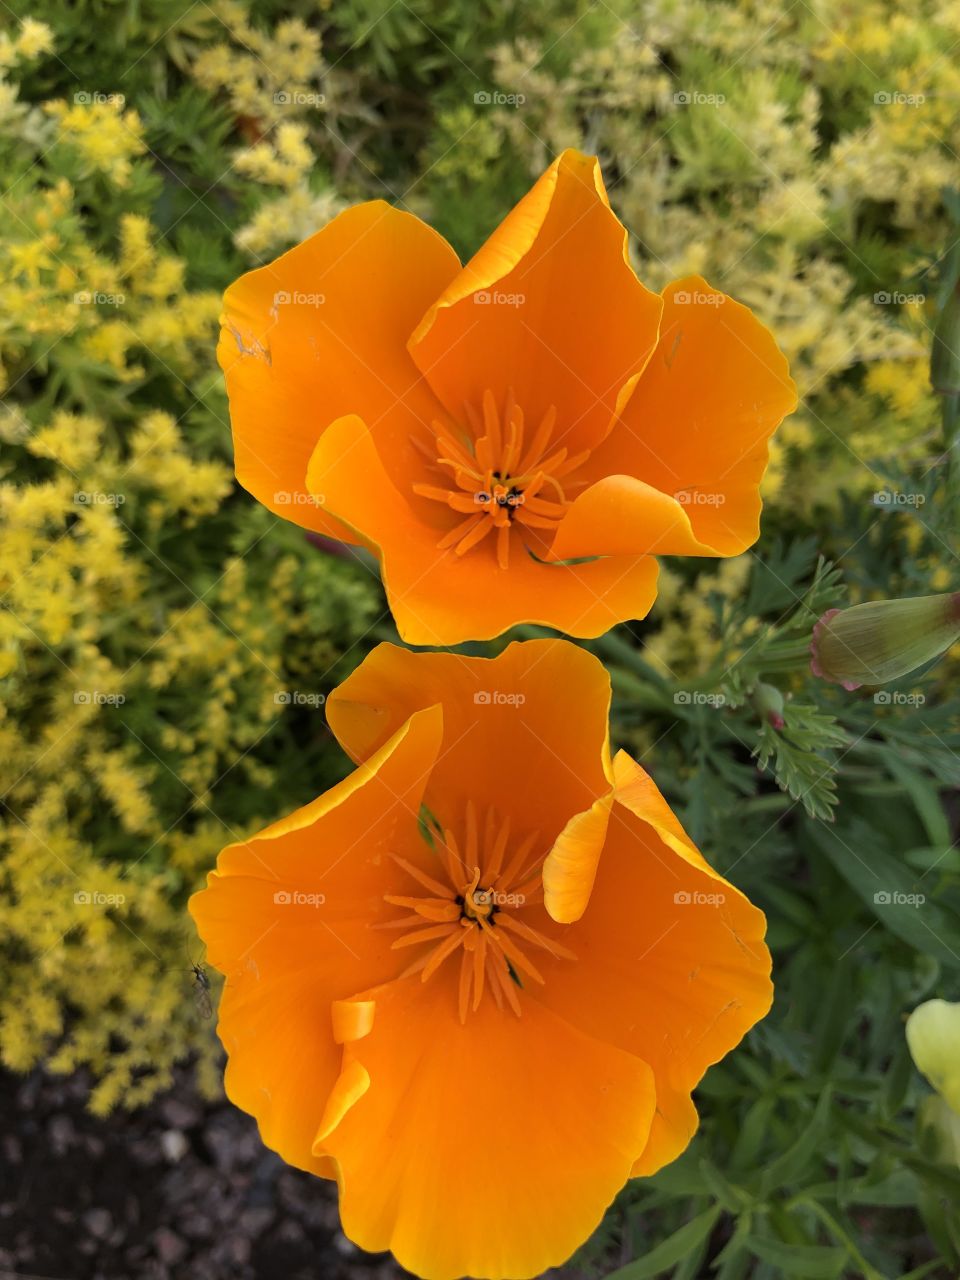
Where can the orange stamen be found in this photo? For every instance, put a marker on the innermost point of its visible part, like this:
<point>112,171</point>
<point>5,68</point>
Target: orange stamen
<point>476,911</point>
<point>491,468</point>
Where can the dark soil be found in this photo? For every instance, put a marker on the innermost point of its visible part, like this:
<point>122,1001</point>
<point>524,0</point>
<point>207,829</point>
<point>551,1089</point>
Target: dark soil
<point>181,1190</point>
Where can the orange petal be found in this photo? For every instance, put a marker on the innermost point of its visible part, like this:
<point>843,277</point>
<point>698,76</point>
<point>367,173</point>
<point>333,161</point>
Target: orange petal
<point>671,963</point>
<point>440,598</point>
<point>485,1148</point>
<point>320,332</point>
<point>618,515</point>
<point>286,918</point>
<point>571,866</point>
<point>696,429</point>
<point>507,732</point>
<point>566,322</point>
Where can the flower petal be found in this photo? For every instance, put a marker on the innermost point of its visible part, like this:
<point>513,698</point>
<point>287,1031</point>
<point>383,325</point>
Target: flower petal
<point>671,964</point>
<point>489,1148</point>
<point>320,332</point>
<point>696,429</point>
<point>288,957</point>
<point>530,723</point>
<point>440,598</point>
<point>566,321</point>
<point>619,514</point>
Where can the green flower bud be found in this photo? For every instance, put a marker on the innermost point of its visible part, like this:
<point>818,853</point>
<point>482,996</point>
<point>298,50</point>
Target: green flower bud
<point>876,642</point>
<point>768,702</point>
<point>933,1037</point>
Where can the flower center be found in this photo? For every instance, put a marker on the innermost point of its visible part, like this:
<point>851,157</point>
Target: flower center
<point>474,910</point>
<point>498,474</point>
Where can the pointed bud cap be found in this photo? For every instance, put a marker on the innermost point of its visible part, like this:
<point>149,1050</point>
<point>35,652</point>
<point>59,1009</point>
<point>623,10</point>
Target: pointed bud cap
<point>879,641</point>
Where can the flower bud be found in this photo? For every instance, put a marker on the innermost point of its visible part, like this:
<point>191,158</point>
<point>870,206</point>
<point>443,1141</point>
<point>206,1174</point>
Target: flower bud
<point>768,702</point>
<point>933,1037</point>
<point>879,641</point>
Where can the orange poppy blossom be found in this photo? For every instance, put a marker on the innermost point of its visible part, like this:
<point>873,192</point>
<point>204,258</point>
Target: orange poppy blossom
<point>515,439</point>
<point>439,992</point>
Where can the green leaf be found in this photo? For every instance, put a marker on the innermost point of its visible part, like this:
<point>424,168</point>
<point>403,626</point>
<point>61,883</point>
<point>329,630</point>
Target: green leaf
<point>788,1167</point>
<point>812,1261</point>
<point>671,1251</point>
<point>893,894</point>
<point>925,797</point>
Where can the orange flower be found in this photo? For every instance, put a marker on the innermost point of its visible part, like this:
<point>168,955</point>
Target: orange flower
<point>480,427</point>
<point>438,991</point>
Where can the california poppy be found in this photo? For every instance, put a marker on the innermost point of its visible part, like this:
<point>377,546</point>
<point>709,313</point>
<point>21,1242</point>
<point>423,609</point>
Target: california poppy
<point>477,980</point>
<point>515,439</point>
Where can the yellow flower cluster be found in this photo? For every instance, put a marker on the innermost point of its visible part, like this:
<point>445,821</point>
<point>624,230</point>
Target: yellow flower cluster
<point>136,678</point>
